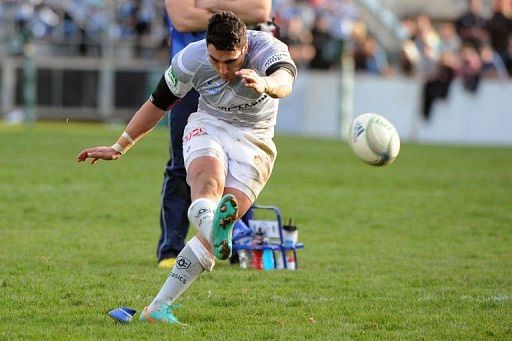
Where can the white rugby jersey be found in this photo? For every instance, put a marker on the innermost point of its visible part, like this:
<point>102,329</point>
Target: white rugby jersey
<point>231,102</point>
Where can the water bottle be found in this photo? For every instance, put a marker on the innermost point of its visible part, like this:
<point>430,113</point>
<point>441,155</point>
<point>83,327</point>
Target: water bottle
<point>245,259</point>
<point>290,260</point>
<point>278,256</point>
<point>268,259</point>
<point>257,254</point>
<point>290,236</point>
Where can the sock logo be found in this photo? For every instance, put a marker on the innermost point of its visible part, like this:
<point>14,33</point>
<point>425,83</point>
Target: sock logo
<point>202,211</point>
<point>178,277</point>
<point>182,263</point>
<point>201,215</point>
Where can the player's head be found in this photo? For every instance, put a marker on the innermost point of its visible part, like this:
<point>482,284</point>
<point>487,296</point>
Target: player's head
<point>226,40</point>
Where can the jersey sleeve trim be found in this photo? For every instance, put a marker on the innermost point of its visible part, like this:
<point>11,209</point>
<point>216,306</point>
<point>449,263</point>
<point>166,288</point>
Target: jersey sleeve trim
<point>162,97</point>
<point>282,65</point>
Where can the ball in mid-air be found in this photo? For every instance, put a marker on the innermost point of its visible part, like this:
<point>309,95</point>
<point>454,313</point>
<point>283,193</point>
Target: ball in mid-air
<point>374,139</point>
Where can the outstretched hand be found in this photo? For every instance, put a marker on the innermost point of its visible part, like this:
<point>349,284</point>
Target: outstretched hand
<point>252,80</point>
<point>98,153</point>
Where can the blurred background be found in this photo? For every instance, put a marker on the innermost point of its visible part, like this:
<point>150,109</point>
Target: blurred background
<point>440,70</point>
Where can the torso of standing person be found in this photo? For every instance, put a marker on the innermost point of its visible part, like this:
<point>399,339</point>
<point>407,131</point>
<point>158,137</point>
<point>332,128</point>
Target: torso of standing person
<point>181,39</point>
<point>231,102</point>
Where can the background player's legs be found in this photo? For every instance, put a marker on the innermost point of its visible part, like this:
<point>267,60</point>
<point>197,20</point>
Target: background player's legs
<point>175,197</point>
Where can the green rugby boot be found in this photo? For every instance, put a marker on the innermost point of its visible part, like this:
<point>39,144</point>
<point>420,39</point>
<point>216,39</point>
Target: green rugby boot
<point>224,218</point>
<point>162,315</point>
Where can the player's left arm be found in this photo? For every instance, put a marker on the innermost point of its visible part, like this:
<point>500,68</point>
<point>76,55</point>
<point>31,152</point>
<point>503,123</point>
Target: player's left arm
<point>278,84</point>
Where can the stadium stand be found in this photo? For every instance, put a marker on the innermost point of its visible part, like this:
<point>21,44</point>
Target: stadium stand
<point>119,47</point>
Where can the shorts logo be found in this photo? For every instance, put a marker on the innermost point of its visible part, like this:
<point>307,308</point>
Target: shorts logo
<point>195,132</point>
<point>182,263</point>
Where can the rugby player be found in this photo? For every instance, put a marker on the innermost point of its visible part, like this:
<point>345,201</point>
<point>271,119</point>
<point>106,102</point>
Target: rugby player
<point>227,144</point>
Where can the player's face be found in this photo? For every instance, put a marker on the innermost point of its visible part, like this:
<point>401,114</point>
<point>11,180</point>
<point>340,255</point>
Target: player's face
<point>226,63</point>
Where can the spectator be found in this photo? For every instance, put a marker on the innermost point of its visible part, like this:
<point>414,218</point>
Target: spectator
<point>492,64</point>
<point>409,59</point>
<point>325,46</point>
<point>438,85</point>
<point>143,16</point>
<point>368,55</point>
<point>450,41</point>
<point>470,67</point>
<point>499,28</point>
<point>471,25</point>
<point>299,40</point>
<point>429,45</point>
<point>371,58</point>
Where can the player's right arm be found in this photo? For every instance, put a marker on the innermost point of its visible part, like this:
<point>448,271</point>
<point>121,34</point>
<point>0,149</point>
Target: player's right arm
<point>186,17</point>
<point>175,83</point>
<point>144,120</point>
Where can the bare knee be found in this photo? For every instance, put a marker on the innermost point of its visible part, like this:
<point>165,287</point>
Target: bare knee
<point>206,185</point>
<point>206,178</point>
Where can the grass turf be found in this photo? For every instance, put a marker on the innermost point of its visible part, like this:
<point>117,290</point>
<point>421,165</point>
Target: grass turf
<point>417,250</point>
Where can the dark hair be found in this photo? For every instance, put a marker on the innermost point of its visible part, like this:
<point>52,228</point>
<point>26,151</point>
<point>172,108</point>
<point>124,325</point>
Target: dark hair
<point>226,31</point>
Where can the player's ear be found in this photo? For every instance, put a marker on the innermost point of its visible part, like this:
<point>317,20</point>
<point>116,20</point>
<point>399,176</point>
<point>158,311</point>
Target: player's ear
<point>245,48</point>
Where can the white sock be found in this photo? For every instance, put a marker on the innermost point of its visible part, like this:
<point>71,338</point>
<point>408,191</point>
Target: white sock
<point>190,263</point>
<point>200,214</point>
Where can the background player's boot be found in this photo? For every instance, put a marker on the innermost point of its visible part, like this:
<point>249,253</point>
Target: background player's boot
<point>167,263</point>
<point>224,218</point>
<point>162,315</point>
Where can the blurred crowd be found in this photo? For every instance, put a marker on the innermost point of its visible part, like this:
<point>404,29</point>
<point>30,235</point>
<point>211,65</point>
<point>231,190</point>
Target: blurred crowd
<point>318,33</point>
<point>471,48</point>
<point>81,25</point>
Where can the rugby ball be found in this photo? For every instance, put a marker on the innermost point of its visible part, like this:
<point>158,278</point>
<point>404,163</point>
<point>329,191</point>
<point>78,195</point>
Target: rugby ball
<point>374,139</point>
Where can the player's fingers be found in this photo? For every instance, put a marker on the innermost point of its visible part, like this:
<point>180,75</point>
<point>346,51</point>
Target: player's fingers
<point>82,156</point>
<point>249,85</point>
<point>252,77</point>
<point>248,80</point>
<point>242,72</point>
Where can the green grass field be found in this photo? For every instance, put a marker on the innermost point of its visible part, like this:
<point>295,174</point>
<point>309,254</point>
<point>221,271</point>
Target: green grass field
<point>421,249</point>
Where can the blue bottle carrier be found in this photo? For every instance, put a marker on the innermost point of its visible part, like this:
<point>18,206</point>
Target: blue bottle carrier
<point>265,222</point>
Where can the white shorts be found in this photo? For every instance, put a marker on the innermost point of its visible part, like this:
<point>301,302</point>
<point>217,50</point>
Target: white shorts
<point>248,160</point>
